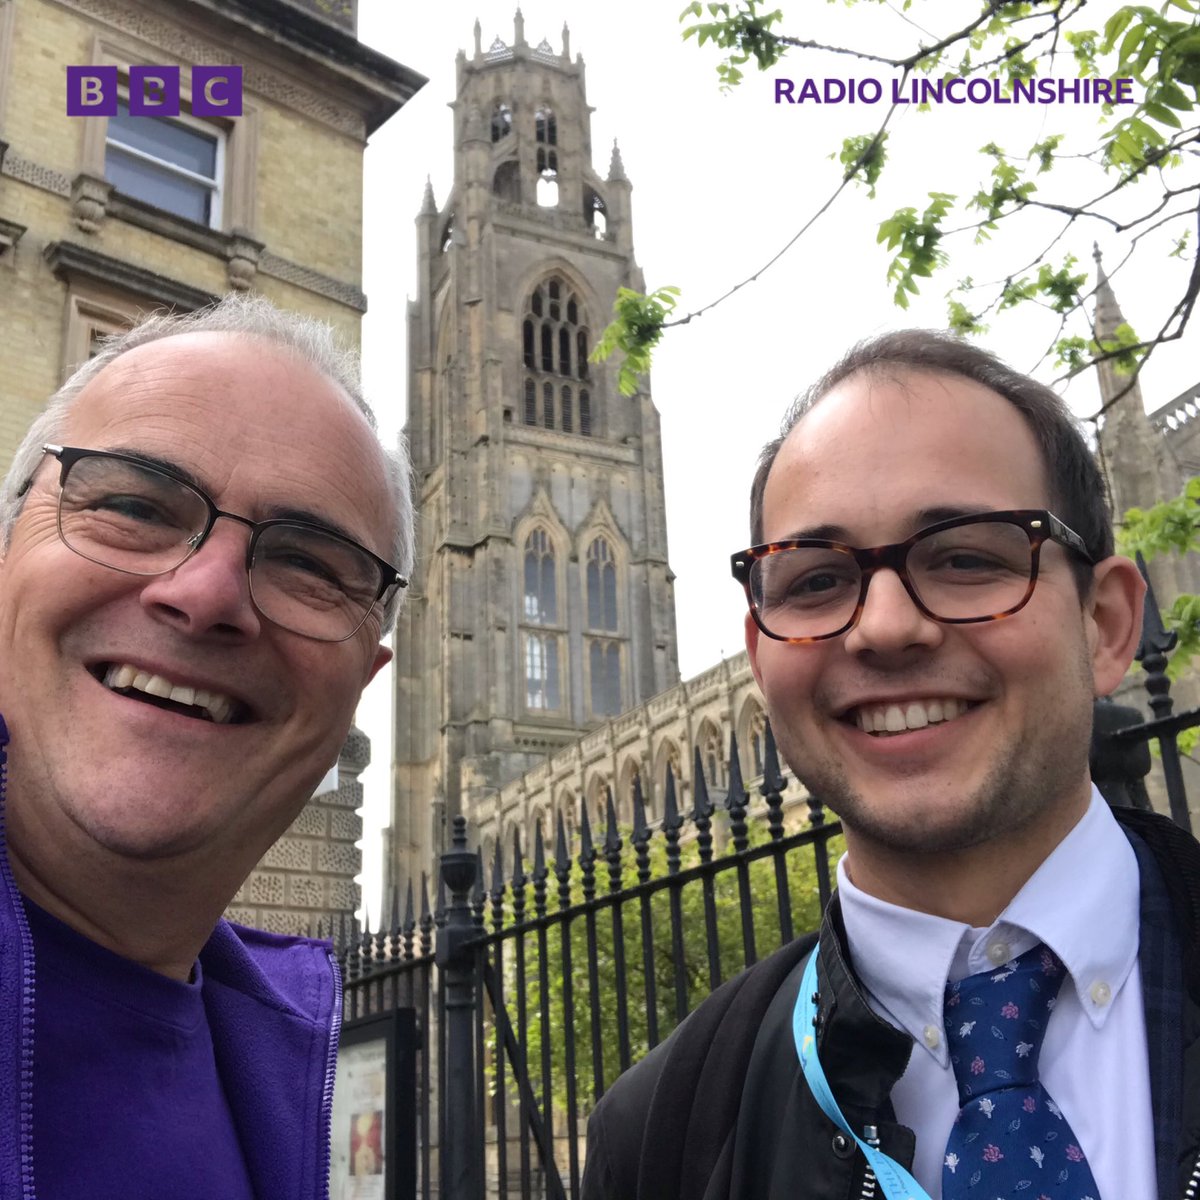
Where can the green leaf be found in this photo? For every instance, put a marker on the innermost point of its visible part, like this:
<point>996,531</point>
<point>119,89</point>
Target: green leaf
<point>636,328</point>
<point>1162,114</point>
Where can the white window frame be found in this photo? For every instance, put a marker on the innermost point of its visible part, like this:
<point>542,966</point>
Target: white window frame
<point>216,184</point>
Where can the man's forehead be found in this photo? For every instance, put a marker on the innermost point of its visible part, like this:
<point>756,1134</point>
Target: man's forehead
<point>890,439</point>
<point>215,358</point>
<point>215,405</point>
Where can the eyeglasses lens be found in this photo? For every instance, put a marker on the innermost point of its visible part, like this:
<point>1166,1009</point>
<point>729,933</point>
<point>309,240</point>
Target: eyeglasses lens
<point>144,522</point>
<point>968,572</point>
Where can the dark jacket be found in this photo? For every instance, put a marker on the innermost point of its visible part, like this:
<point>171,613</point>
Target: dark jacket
<point>721,1109</point>
<point>274,1010</point>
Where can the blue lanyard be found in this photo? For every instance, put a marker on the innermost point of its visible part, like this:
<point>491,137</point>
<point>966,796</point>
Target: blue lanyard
<point>896,1182</point>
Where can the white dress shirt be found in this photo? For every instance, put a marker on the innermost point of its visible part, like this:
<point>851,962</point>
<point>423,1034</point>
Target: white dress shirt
<point>1083,903</point>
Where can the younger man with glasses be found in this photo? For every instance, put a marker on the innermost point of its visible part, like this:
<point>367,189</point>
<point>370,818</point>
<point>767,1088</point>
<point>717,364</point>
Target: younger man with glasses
<point>202,543</point>
<point>1005,997</point>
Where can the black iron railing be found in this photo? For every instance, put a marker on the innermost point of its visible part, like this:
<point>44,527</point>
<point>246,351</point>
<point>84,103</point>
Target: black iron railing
<point>549,981</point>
<point>535,983</point>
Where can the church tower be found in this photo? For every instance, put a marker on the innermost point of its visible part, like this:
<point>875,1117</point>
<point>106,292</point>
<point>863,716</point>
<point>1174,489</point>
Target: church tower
<point>542,604</point>
<point>1138,460</point>
<point>1140,466</point>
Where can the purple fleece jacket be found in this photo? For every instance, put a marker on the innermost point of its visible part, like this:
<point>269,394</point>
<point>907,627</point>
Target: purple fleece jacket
<point>274,1010</point>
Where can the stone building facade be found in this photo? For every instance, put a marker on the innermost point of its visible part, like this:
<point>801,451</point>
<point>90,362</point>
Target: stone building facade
<point>704,714</point>
<point>102,219</point>
<point>270,200</point>
<point>542,604</point>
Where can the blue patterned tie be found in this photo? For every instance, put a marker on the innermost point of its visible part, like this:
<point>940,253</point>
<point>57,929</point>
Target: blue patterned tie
<point>1010,1139</point>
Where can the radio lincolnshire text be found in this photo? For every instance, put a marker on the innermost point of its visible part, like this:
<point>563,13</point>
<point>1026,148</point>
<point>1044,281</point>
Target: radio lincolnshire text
<point>956,89</point>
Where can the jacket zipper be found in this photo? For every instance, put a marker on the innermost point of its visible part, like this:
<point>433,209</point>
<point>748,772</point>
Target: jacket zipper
<point>335,1033</point>
<point>871,1137</point>
<point>25,1081</point>
<point>1193,1185</point>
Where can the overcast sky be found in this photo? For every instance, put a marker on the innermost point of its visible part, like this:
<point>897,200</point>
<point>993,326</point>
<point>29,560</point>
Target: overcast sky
<point>721,183</point>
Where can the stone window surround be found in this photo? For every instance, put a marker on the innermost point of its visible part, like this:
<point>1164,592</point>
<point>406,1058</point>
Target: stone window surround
<point>555,630</point>
<point>240,134</point>
<point>106,294</point>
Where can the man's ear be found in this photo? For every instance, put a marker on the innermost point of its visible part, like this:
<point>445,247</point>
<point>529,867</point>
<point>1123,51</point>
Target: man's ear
<point>383,656</point>
<point>1114,615</point>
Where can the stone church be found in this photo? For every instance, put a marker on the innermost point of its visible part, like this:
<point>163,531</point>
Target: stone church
<point>536,661</point>
<point>542,605</point>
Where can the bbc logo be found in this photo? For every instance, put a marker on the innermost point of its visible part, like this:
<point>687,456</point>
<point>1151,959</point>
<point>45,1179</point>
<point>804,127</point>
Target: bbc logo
<point>154,91</point>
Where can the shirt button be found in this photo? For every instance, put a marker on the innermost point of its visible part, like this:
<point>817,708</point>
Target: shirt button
<point>933,1037</point>
<point>1101,993</point>
<point>999,953</point>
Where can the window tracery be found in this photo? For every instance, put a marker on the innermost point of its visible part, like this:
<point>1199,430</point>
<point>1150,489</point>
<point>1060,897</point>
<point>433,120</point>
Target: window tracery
<point>554,342</point>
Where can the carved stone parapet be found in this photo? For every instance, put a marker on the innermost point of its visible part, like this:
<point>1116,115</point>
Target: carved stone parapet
<point>89,201</point>
<point>243,253</point>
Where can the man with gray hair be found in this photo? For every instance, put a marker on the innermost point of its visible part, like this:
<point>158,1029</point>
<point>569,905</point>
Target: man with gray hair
<point>202,543</point>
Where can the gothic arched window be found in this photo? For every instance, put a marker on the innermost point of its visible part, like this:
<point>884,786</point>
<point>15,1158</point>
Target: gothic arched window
<point>711,756</point>
<point>530,402</point>
<point>539,612</point>
<point>541,672</point>
<point>501,121</point>
<point>605,670</point>
<point>554,342</point>
<point>604,653</point>
<point>546,127</point>
<point>541,592</point>
<point>601,586</point>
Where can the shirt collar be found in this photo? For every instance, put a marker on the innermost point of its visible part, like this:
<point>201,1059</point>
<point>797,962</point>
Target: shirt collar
<point>1082,902</point>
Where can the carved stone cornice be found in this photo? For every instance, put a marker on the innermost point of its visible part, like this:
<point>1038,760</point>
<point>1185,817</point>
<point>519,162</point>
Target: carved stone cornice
<point>10,234</point>
<point>70,261</point>
<point>313,281</point>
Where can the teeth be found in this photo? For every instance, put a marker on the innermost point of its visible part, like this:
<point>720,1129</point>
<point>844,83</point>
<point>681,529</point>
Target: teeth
<point>122,677</point>
<point>915,714</point>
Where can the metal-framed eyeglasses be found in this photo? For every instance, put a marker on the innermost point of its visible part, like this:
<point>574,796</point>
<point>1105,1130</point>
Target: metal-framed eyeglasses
<point>981,567</point>
<point>120,511</point>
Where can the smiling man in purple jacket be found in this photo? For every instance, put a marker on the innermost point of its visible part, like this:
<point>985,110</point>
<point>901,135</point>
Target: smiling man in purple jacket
<point>203,542</point>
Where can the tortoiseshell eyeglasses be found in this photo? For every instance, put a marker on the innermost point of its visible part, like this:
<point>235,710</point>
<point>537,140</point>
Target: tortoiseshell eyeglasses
<point>975,568</point>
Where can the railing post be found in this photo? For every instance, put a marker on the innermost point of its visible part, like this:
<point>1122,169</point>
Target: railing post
<point>456,961</point>
<point>1157,643</point>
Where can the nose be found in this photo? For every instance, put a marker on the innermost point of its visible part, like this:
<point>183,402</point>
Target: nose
<point>890,621</point>
<point>210,592</point>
